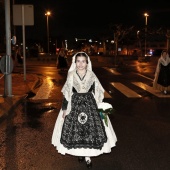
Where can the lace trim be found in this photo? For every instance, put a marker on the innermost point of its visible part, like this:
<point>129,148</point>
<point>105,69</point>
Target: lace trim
<point>87,82</point>
<point>79,75</point>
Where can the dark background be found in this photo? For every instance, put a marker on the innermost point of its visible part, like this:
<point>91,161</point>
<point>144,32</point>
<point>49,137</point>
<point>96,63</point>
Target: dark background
<point>75,18</point>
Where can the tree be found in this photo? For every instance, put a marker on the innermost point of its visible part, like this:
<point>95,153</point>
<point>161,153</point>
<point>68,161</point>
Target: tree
<point>119,32</point>
<point>154,34</point>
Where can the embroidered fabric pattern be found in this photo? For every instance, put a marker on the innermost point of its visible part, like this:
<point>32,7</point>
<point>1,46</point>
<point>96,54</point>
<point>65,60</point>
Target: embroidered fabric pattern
<point>81,78</point>
<point>76,84</point>
<point>99,91</point>
<point>83,127</point>
<point>86,82</point>
<point>66,90</point>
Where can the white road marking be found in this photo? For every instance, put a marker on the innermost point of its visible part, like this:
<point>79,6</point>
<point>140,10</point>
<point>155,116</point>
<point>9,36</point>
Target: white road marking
<point>125,90</point>
<point>112,70</point>
<point>144,76</point>
<point>44,90</point>
<point>151,90</point>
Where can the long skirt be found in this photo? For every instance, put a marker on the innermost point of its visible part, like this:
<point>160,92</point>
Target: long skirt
<point>162,79</point>
<point>83,132</point>
<point>164,76</point>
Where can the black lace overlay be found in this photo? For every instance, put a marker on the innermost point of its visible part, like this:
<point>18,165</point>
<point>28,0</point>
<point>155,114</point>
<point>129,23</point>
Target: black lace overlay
<point>83,127</point>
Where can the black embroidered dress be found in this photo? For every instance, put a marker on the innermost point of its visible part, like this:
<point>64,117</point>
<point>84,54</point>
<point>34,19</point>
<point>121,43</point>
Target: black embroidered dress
<point>164,75</point>
<point>83,127</point>
<point>83,132</point>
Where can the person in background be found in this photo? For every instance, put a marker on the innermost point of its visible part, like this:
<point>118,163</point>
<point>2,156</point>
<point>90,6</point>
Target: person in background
<point>162,74</point>
<point>62,60</point>
<point>79,129</point>
<point>19,56</point>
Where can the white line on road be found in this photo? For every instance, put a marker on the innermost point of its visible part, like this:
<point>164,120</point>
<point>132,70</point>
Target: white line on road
<point>150,90</point>
<point>112,71</point>
<point>145,76</point>
<point>125,90</point>
<point>44,90</point>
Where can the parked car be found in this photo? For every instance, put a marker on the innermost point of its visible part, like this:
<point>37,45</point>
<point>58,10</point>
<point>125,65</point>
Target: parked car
<point>146,58</point>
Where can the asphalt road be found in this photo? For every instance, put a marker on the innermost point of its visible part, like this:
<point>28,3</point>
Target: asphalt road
<point>141,122</point>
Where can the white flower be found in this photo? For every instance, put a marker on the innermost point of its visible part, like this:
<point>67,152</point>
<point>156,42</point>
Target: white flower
<point>104,106</point>
<point>105,109</point>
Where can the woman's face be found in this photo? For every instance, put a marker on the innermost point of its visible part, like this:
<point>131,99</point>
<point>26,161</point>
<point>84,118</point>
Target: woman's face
<point>164,54</point>
<point>81,63</point>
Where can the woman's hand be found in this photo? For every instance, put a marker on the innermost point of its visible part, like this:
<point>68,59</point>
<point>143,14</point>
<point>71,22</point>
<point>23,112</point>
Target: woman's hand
<point>64,114</point>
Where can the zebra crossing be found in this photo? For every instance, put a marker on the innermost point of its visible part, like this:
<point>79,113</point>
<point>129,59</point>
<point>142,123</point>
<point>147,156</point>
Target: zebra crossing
<point>151,90</point>
<point>130,93</point>
<point>125,90</point>
<point>46,88</point>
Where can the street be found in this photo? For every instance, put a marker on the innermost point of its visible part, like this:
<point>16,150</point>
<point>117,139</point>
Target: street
<point>141,122</point>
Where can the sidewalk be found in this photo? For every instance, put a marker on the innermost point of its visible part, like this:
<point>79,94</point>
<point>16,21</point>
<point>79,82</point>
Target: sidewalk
<point>20,90</point>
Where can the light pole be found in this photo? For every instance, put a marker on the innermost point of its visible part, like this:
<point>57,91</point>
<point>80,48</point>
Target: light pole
<point>48,13</point>
<point>139,42</point>
<point>146,20</point>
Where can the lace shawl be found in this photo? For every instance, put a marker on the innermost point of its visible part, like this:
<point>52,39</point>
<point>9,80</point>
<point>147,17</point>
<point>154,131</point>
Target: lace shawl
<point>72,80</point>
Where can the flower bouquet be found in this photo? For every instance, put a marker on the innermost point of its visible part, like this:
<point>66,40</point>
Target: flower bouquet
<point>105,109</point>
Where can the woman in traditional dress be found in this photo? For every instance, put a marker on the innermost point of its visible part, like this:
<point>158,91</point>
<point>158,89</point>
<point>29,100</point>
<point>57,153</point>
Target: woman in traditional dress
<point>79,129</point>
<point>162,74</point>
<point>62,60</point>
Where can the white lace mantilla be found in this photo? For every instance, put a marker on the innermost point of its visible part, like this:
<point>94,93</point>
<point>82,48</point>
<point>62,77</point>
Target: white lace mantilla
<point>82,86</point>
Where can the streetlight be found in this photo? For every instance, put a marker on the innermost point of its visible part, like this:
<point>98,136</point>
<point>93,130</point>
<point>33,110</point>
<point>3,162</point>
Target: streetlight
<point>146,19</point>
<point>48,13</point>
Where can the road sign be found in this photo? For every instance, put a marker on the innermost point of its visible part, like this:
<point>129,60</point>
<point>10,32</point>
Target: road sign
<point>23,12</point>
<point>6,64</point>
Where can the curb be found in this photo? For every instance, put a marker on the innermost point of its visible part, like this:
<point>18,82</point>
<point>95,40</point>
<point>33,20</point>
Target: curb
<point>10,103</point>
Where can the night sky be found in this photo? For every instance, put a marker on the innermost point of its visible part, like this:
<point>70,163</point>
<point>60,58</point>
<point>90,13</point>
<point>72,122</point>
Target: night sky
<point>82,19</point>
